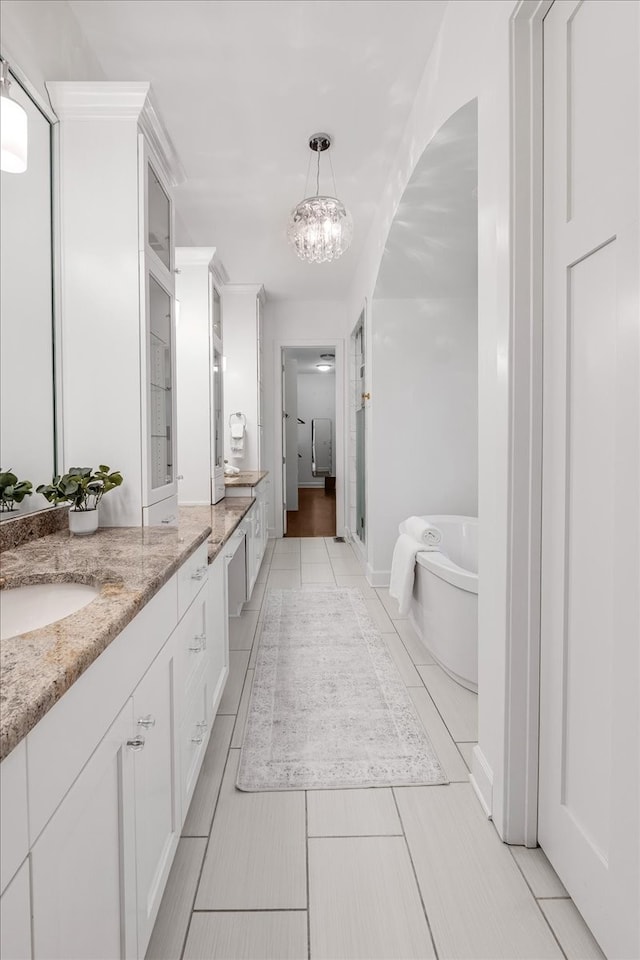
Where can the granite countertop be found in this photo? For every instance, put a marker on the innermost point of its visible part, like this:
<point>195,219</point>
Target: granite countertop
<point>129,564</point>
<point>246,478</point>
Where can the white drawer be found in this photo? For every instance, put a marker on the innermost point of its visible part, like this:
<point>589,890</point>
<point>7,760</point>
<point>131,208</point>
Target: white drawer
<point>163,513</point>
<point>192,576</point>
<point>194,736</point>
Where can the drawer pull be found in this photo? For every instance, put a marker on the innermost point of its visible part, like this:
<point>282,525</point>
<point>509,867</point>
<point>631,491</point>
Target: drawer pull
<point>203,724</point>
<point>197,739</point>
<point>136,743</point>
<point>169,519</point>
<point>147,721</point>
<point>199,574</point>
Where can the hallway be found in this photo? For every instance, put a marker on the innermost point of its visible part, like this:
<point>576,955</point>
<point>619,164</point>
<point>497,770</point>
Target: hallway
<point>316,514</point>
<point>410,872</point>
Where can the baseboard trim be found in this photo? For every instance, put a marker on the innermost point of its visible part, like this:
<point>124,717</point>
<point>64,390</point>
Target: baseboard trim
<point>481,779</point>
<point>378,578</point>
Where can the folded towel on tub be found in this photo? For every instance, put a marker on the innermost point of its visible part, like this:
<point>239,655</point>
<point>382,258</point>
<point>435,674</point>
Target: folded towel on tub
<point>403,566</point>
<point>422,531</point>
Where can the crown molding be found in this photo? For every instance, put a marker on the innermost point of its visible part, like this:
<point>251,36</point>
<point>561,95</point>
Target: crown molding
<point>200,257</point>
<point>257,289</point>
<point>194,256</point>
<point>118,100</point>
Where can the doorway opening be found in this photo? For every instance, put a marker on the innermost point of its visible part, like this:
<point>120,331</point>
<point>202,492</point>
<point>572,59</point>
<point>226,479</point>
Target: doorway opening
<point>309,441</point>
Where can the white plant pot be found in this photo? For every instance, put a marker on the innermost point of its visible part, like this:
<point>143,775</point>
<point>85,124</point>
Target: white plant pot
<point>83,522</point>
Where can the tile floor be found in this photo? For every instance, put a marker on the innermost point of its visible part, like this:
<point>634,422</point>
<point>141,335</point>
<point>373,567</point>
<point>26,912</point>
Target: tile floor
<point>410,872</point>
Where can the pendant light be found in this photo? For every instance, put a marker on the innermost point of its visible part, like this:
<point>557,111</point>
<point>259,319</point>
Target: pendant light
<point>13,127</point>
<point>320,228</point>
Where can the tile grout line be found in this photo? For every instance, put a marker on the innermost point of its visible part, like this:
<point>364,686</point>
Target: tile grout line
<point>306,849</point>
<point>204,857</point>
<point>215,808</point>
<point>415,875</point>
<point>536,900</point>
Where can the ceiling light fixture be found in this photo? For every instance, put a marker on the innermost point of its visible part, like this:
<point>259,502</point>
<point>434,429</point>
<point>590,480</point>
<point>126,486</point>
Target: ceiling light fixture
<point>13,127</point>
<point>323,367</point>
<point>320,228</point>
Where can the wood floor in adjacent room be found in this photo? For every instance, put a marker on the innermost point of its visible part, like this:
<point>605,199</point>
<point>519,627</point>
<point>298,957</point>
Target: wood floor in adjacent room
<point>387,873</point>
<point>315,516</point>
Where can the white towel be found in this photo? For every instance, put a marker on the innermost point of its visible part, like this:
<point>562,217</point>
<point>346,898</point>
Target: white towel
<point>422,531</point>
<point>403,566</point>
<point>237,431</point>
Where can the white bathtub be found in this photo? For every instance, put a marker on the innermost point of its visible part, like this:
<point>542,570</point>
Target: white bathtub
<point>444,606</point>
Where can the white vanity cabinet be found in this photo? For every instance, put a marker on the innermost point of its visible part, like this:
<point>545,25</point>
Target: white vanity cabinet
<point>117,167</point>
<point>83,866</point>
<point>15,917</point>
<point>157,808</point>
<point>107,776</point>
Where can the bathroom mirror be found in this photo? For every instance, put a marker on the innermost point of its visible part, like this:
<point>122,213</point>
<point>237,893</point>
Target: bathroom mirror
<point>321,448</point>
<point>27,411</point>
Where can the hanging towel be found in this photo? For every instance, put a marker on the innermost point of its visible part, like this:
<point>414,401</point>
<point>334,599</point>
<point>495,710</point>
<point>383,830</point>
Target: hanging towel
<point>422,531</point>
<point>403,566</point>
<point>237,439</point>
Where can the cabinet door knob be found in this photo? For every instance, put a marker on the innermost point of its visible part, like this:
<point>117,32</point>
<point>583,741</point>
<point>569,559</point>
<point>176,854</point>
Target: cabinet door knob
<point>366,396</point>
<point>199,574</point>
<point>136,743</point>
<point>202,724</point>
<point>147,721</point>
<point>201,643</point>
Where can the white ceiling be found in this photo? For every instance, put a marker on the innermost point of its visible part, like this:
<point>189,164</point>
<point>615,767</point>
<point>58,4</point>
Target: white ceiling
<point>242,84</point>
<point>308,357</point>
<point>432,247</point>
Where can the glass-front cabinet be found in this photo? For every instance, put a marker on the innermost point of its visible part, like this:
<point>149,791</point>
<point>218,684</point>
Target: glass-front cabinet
<point>159,343</point>
<point>160,373</point>
<point>217,394</point>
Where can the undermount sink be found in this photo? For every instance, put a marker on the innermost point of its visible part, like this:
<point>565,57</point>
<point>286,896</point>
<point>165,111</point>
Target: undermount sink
<point>39,604</point>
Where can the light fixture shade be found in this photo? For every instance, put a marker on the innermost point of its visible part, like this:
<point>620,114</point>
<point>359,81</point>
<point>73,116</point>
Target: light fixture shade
<point>324,367</point>
<point>320,229</point>
<point>13,128</point>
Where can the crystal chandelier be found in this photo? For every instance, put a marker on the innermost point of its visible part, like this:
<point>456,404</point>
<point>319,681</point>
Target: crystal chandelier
<point>320,228</point>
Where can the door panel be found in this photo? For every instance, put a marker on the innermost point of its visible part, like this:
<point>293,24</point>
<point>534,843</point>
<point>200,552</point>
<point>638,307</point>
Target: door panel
<point>590,624</point>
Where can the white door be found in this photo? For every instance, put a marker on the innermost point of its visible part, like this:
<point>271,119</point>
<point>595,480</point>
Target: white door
<point>589,720</point>
<point>157,826</point>
<point>289,436</point>
<point>83,866</point>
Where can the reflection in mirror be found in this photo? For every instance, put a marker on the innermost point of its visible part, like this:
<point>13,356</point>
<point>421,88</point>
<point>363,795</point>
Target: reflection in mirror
<point>321,448</point>
<point>27,411</point>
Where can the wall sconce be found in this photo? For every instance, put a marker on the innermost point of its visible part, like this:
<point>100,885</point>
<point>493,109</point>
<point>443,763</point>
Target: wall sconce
<point>13,127</point>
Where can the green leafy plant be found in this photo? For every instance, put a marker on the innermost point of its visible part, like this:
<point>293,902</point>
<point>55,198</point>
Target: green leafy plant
<point>12,490</point>
<point>81,487</point>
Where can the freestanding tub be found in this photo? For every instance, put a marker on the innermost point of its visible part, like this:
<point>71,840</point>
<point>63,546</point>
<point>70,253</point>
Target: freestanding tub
<point>444,606</point>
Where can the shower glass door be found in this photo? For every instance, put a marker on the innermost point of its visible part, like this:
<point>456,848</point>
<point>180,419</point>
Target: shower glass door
<point>361,514</point>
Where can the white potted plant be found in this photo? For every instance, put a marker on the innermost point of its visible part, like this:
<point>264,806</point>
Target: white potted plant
<point>84,490</point>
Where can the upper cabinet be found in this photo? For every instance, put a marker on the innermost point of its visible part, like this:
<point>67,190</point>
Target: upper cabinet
<point>243,306</point>
<point>117,170</point>
<point>200,277</point>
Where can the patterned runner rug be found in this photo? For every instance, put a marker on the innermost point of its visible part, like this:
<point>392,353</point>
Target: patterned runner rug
<point>328,707</point>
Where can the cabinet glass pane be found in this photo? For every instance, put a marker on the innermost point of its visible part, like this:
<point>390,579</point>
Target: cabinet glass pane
<point>160,393</point>
<point>218,428</point>
<point>217,315</point>
<point>159,219</point>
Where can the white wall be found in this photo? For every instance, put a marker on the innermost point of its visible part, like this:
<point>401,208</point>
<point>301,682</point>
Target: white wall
<point>316,399</point>
<point>44,40</point>
<point>241,388</point>
<point>424,416</point>
<point>301,323</point>
<point>475,34</point>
